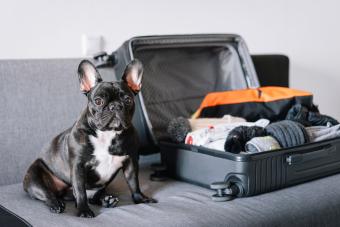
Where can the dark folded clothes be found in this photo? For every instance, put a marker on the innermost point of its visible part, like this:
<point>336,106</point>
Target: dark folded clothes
<point>309,117</point>
<point>238,137</point>
<point>287,133</point>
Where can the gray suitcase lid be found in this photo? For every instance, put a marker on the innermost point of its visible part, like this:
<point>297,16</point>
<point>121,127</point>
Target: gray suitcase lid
<point>179,70</point>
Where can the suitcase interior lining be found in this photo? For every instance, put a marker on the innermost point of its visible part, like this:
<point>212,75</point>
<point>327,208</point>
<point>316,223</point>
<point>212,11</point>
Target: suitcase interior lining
<point>177,79</point>
<point>179,72</point>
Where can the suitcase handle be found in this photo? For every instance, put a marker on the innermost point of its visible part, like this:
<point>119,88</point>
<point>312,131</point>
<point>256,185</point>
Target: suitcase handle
<point>324,151</point>
<point>103,59</point>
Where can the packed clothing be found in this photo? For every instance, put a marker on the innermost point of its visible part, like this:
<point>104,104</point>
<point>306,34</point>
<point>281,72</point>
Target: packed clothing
<point>283,118</point>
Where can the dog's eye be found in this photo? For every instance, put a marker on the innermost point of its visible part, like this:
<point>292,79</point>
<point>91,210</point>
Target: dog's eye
<point>128,100</point>
<point>99,101</point>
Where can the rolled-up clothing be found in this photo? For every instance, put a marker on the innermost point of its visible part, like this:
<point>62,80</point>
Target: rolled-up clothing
<point>288,133</point>
<point>319,133</point>
<point>260,144</point>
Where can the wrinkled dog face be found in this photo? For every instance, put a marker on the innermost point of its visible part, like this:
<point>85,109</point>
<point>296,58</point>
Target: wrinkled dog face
<point>110,104</point>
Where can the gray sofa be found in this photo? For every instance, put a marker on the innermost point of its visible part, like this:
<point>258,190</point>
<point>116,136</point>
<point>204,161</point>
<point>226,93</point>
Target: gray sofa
<point>39,98</point>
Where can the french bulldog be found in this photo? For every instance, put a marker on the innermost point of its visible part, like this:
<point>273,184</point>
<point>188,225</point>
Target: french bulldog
<point>89,154</point>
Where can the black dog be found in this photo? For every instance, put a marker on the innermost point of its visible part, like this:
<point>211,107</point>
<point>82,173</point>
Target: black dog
<point>89,154</point>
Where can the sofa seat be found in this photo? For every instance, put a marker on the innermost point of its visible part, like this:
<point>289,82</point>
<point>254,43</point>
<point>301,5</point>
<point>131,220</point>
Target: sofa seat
<point>315,203</point>
<point>40,98</point>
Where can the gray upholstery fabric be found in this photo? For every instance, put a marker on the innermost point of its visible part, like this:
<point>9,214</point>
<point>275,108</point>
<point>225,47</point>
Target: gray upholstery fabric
<point>38,99</point>
<point>314,203</point>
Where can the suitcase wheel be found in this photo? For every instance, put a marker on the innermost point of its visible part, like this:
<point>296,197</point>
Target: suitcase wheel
<point>219,185</point>
<point>225,191</point>
<point>222,189</point>
<point>221,198</point>
<point>158,167</point>
<point>159,172</point>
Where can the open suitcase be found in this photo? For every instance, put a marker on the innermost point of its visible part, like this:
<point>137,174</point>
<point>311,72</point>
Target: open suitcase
<point>179,71</point>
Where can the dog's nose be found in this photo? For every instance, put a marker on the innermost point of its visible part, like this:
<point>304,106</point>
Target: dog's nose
<point>116,106</point>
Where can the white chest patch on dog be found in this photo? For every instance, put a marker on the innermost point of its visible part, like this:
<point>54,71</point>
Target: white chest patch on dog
<point>107,164</point>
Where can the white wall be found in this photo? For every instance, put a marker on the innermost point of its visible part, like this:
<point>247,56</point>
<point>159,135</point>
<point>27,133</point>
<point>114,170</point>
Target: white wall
<point>307,31</point>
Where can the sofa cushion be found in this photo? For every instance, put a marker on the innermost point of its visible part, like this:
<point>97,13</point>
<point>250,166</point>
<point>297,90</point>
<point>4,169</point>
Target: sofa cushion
<point>38,99</point>
<point>10,219</point>
<point>315,203</point>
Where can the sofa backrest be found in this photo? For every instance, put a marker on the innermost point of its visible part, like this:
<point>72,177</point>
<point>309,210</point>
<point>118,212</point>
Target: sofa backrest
<point>38,99</point>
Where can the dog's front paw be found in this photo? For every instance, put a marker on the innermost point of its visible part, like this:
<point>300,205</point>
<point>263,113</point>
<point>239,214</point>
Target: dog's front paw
<point>85,213</point>
<point>56,206</point>
<point>140,198</point>
<point>109,201</point>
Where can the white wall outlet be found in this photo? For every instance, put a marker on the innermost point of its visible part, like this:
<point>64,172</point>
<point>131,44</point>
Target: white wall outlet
<point>92,44</point>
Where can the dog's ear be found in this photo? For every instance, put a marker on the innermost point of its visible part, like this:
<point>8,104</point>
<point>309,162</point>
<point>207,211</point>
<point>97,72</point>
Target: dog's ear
<point>88,76</point>
<point>133,75</point>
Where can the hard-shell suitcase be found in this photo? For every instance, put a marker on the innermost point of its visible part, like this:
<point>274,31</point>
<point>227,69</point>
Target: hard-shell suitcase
<point>179,71</point>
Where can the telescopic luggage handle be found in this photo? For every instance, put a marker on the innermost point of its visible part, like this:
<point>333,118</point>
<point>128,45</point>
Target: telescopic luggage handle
<point>102,59</point>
